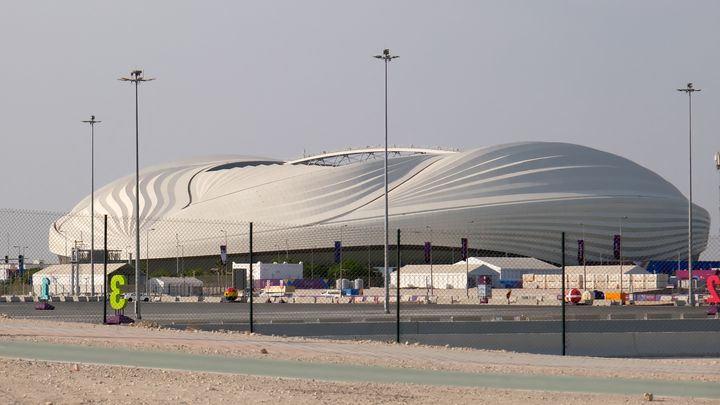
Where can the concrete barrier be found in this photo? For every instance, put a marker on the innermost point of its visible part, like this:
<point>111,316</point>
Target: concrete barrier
<point>644,344</point>
<point>509,337</point>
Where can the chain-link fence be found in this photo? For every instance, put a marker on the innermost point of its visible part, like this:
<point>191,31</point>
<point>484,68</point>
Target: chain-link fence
<point>559,290</point>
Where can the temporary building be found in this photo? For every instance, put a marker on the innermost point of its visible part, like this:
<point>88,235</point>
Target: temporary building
<point>606,269</point>
<point>77,279</point>
<point>502,271</point>
<point>177,286</point>
<point>438,276</point>
<point>6,273</point>
<point>509,271</point>
<point>271,271</point>
<point>604,277</point>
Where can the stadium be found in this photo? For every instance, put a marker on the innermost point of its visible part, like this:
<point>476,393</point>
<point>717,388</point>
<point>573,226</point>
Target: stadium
<point>511,199</point>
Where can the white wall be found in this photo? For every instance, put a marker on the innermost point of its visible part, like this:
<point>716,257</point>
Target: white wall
<point>422,280</point>
<point>272,270</point>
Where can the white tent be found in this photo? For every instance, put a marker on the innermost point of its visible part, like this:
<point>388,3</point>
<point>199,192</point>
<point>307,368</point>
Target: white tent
<point>62,283</point>
<point>439,275</point>
<point>509,269</point>
<point>178,286</point>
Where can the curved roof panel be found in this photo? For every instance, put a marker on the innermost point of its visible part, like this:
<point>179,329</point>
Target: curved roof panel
<point>513,194</point>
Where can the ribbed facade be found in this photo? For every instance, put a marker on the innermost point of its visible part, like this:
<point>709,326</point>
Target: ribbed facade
<point>514,198</point>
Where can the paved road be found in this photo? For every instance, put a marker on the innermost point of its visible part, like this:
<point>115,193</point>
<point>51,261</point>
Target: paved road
<point>265,313</point>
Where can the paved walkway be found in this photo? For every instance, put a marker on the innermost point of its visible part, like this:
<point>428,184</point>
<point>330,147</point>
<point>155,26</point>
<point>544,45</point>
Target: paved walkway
<point>350,373</point>
<point>155,357</point>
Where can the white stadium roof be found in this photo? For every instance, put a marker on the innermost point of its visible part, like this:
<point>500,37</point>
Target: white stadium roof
<point>514,198</point>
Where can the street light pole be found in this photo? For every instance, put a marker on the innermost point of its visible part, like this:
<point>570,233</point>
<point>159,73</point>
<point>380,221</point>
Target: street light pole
<point>177,255</point>
<point>147,257</point>
<point>136,77</point>
<point>621,260</point>
<point>92,123</point>
<point>583,263</point>
<point>432,282</point>
<point>387,58</point>
<point>225,264</point>
<point>717,166</point>
<point>690,90</point>
<point>23,254</point>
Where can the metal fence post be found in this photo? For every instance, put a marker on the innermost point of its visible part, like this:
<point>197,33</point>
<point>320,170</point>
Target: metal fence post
<point>105,255</point>
<point>397,290</point>
<point>252,326</point>
<point>562,296</point>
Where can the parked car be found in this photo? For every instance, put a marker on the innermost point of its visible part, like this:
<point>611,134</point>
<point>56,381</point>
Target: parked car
<point>131,297</point>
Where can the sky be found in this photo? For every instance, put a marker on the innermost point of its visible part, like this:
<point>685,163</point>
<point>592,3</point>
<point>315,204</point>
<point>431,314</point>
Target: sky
<point>282,79</point>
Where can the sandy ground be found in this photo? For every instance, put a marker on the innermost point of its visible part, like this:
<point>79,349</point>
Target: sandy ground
<point>33,382</point>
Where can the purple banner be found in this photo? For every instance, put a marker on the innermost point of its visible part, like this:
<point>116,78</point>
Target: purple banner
<point>581,251</point>
<point>616,247</point>
<point>338,246</point>
<point>464,248</point>
<point>428,252</point>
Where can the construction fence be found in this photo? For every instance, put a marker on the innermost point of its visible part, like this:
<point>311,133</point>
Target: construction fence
<point>341,281</point>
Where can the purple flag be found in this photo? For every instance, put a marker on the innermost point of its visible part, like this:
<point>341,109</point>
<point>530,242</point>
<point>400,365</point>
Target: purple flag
<point>616,247</point>
<point>464,248</point>
<point>581,251</point>
<point>338,246</point>
<point>223,254</point>
<point>428,252</point>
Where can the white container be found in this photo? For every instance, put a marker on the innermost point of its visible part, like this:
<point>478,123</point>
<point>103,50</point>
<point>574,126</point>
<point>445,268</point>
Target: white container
<point>358,284</point>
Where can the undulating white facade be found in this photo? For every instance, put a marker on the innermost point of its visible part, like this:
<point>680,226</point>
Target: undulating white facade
<point>514,198</point>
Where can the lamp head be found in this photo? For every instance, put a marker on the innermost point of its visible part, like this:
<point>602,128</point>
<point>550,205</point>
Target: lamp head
<point>386,52</point>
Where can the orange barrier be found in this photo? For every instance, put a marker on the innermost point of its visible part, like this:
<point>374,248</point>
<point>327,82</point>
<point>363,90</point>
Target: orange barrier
<point>616,296</point>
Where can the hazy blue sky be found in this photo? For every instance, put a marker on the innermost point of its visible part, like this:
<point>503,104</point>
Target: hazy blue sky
<point>274,79</point>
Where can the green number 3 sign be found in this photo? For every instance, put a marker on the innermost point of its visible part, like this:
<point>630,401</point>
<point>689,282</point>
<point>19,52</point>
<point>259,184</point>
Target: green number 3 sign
<point>117,301</point>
